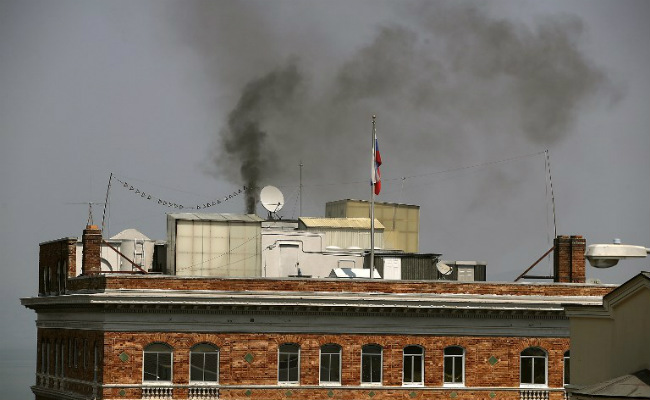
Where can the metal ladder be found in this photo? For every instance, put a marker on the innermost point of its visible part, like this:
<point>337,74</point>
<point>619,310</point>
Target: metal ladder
<point>138,253</point>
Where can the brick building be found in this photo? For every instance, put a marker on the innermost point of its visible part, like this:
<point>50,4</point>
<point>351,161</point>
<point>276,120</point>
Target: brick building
<point>150,336</point>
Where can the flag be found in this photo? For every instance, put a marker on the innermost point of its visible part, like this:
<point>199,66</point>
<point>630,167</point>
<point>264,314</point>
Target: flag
<point>376,162</point>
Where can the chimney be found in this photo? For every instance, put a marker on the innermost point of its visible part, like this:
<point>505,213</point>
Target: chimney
<point>92,246</point>
<point>569,259</point>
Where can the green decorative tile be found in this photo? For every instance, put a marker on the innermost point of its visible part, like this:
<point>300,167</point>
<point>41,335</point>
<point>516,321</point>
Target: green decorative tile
<point>493,395</point>
<point>124,357</point>
<point>249,358</point>
<point>493,360</point>
<point>288,393</point>
<point>330,393</point>
<point>122,392</point>
<point>453,395</point>
<point>372,394</point>
<point>248,393</point>
<point>412,395</point>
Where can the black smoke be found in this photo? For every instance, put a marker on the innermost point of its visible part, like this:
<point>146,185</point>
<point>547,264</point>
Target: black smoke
<point>447,81</point>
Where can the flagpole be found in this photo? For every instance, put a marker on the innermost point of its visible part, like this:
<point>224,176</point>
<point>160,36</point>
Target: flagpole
<point>372,199</point>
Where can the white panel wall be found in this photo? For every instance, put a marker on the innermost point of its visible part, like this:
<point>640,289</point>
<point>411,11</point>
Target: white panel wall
<point>217,248</point>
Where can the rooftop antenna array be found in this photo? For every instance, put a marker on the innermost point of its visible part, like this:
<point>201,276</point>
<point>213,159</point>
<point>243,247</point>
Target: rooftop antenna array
<point>272,200</point>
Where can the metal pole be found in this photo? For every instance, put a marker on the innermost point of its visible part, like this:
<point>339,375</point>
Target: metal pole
<point>372,200</point>
<point>300,189</point>
<point>108,189</point>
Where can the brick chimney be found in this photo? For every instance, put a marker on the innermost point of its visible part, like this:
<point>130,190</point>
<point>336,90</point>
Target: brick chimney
<point>92,246</point>
<point>569,259</point>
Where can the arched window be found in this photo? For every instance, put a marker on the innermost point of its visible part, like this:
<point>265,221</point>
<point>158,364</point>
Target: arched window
<point>454,365</point>
<point>289,363</point>
<point>371,364</point>
<point>533,366</point>
<point>204,360</point>
<point>330,364</point>
<point>157,363</point>
<point>413,374</point>
<point>567,367</point>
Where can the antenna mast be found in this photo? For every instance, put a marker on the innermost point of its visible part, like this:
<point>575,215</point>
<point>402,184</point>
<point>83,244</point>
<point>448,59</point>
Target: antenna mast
<point>300,188</point>
<point>372,201</point>
<point>108,189</point>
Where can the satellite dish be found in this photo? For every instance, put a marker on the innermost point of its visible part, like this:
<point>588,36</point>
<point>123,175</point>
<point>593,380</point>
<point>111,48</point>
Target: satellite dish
<point>443,268</point>
<point>272,199</point>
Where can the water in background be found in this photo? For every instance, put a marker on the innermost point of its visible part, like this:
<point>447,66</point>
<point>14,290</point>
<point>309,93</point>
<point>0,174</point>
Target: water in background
<point>17,373</point>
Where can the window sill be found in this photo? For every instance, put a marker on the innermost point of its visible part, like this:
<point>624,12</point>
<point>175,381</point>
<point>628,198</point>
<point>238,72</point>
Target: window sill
<point>289,383</point>
<point>452,385</point>
<point>329,384</point>
<point>412,384</point>
<point>370,384</point>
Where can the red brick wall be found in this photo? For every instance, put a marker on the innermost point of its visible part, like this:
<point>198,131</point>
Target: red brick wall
<point>92,247</point>
<point>569,259</point>
<point>235,370</point>
<point>321,285</point>
<point>51,256</point>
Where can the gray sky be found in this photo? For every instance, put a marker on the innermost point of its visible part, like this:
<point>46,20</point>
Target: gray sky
<point>149,90</point>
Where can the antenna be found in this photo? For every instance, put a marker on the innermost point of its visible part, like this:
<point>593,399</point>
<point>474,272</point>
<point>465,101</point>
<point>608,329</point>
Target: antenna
<point>272,200</point>
<point>90,210</point>
<point>443,268</point>
<point>300,188</point>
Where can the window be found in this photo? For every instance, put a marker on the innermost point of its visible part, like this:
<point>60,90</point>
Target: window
<point>289,363</point>
<point>62,357</point>
<point>70,352</point>
<point>454,365</point>
<point>157,363</point>
<point>76,352</point>
<point>85,352</point>
<point>330,364</point>
<point>533,366</point>
<point>47,359</point>
<point>371,364</point>
<point>204,363</point>
<point>567,367</point>
<point>413,366</point>
<point>95,361</point>
<point>57,351</point>
<point>43,357</point>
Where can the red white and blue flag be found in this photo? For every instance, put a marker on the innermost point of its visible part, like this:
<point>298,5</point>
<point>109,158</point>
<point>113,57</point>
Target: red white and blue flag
<point>376,162</point>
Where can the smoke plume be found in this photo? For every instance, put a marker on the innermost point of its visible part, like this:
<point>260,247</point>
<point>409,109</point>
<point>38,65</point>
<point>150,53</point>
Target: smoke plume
<point>243,140</point>
<point>447,82</point>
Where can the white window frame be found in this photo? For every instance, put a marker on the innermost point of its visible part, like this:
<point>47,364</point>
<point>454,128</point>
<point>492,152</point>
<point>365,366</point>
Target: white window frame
<point>454,356</point>
<point>381,366</point>
<point>216,351</point>
<point>320,365</point>
<point>521,359</point>
<point>171,360</point>
<point>280,353</point>
<point>566,359</point>
<point>412,356</point>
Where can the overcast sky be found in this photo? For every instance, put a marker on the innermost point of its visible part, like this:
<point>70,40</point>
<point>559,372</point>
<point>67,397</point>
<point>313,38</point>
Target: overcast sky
<point>178,98</point>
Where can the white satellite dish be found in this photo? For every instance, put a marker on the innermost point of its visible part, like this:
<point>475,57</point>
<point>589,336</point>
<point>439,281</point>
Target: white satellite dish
<point>443,268</point>
<point>272,199</point>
